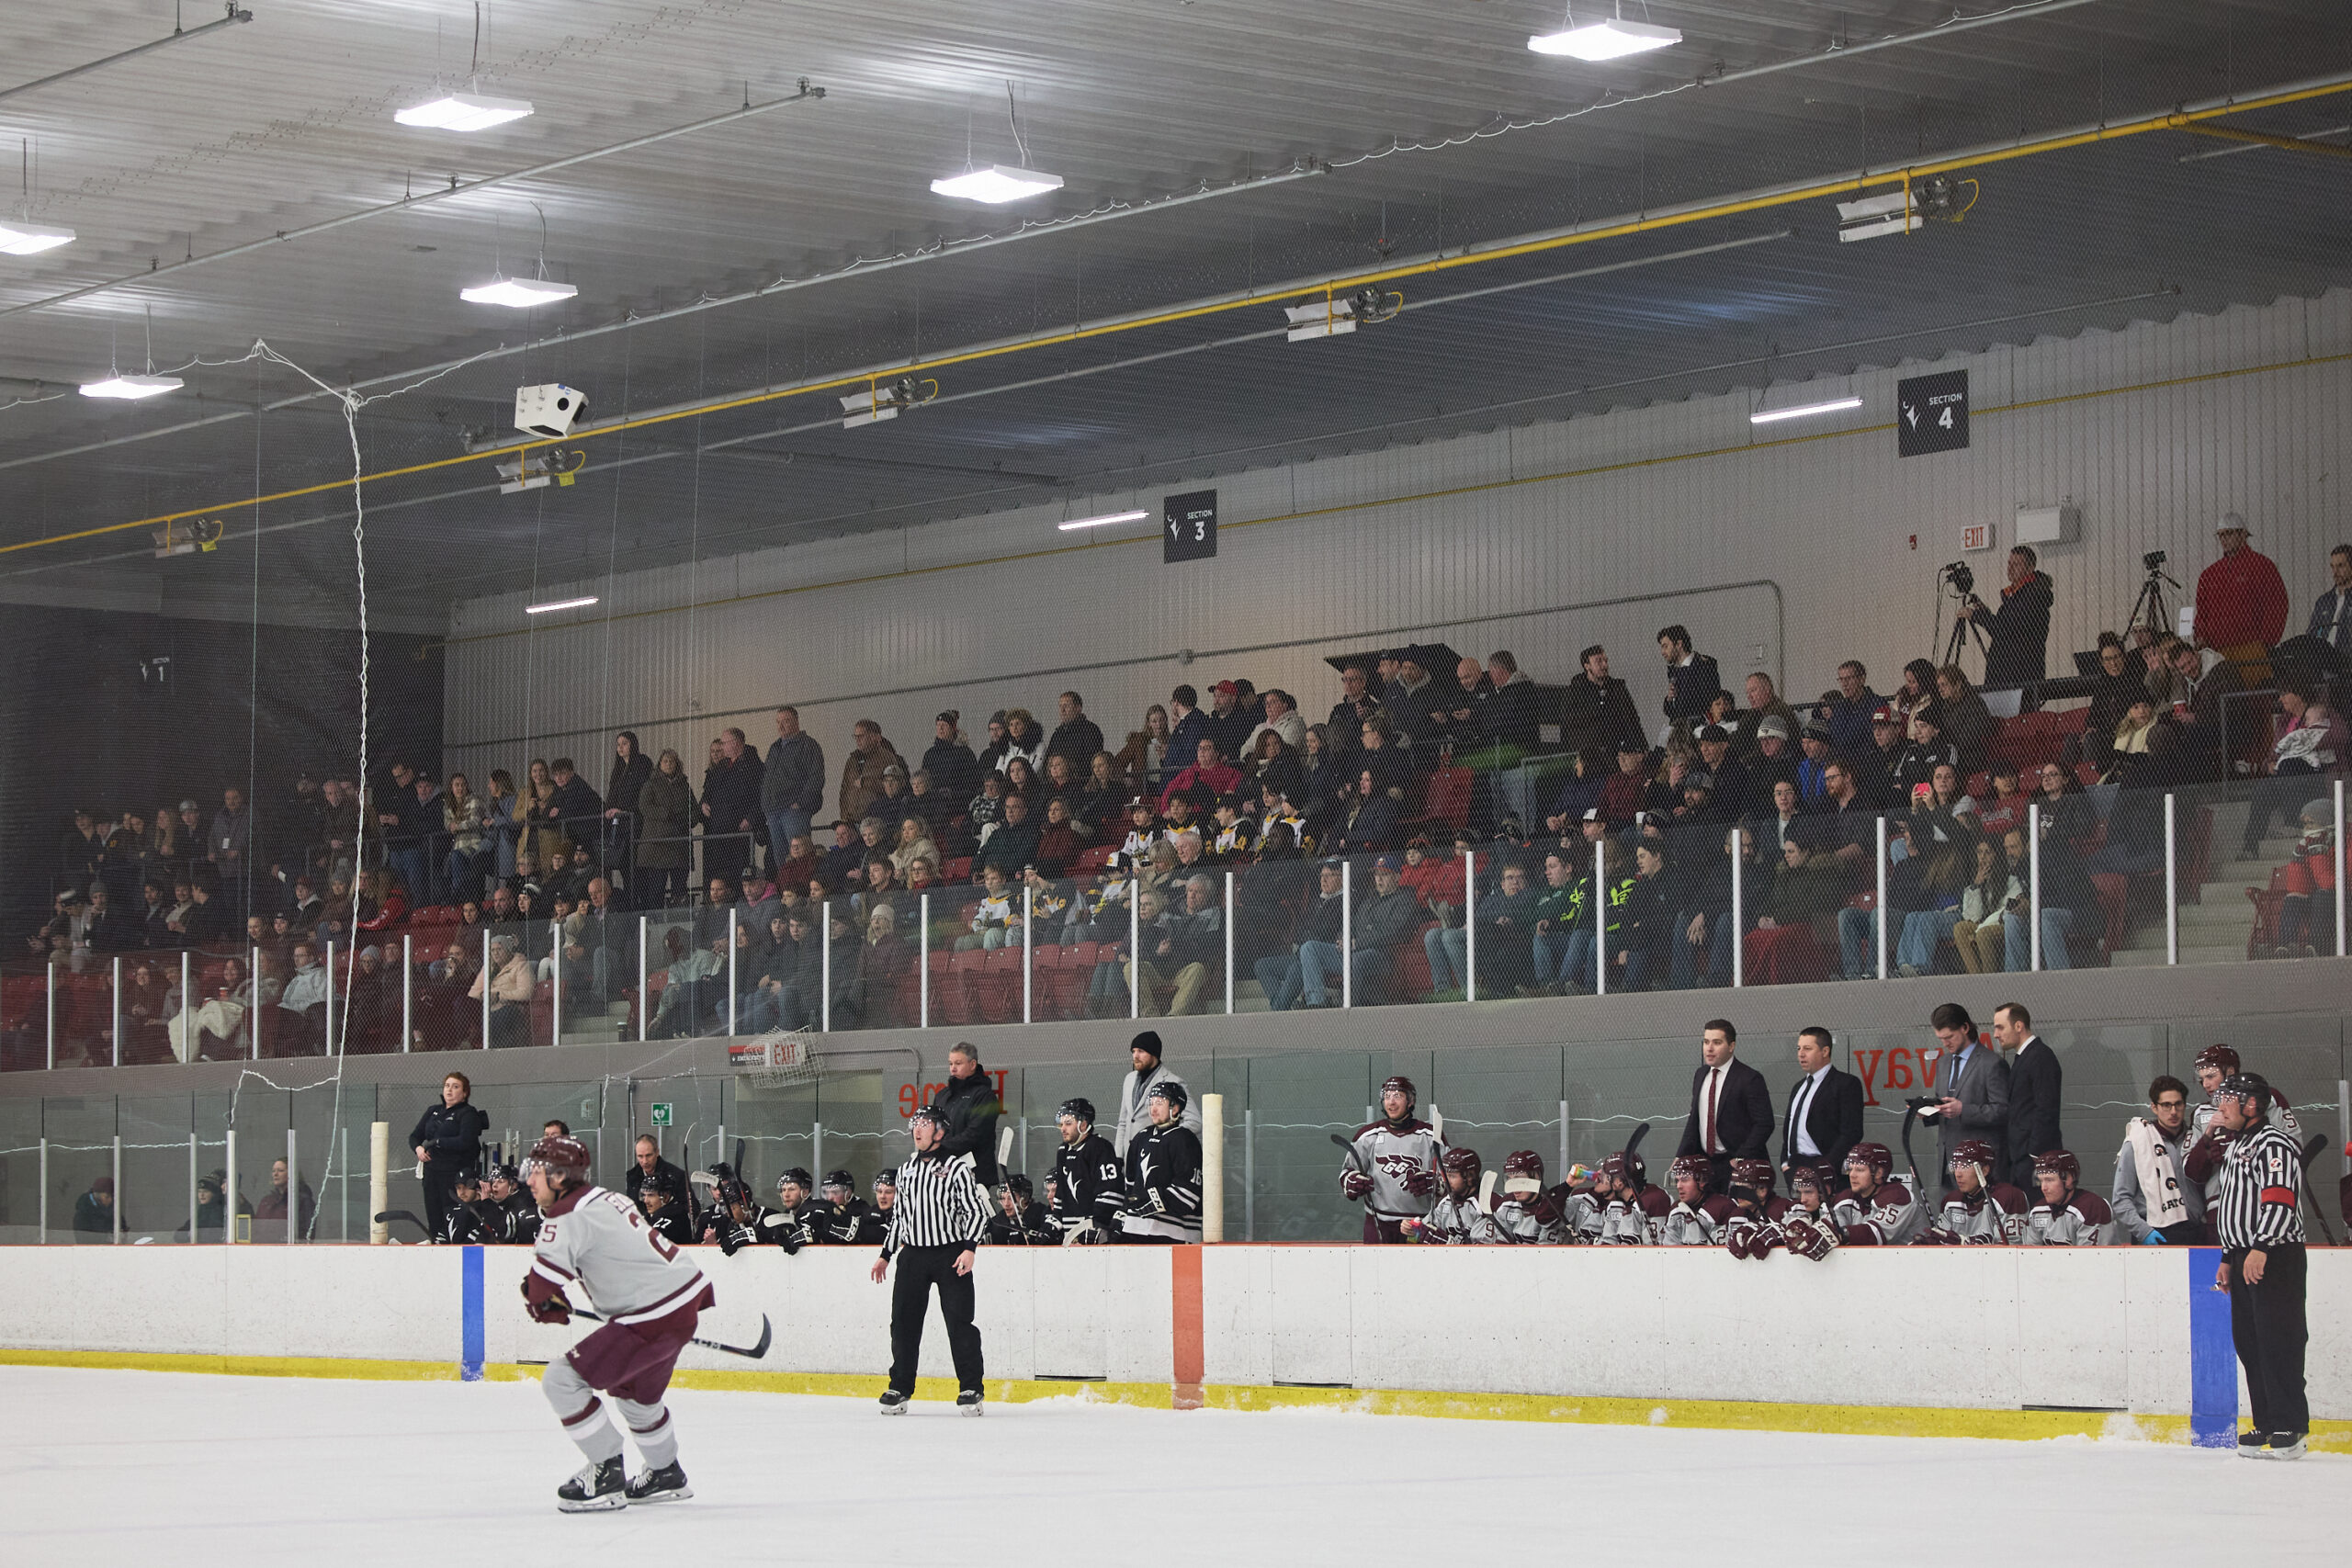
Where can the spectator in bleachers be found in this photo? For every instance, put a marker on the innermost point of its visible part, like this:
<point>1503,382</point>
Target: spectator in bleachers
<point>461,828</point>
<point>153,932</point>
<point>1917,691</point>
<point>1858,929</point>
<point>1774,760</point>
<point>511,984</point>
<point>994,917</point>
<point>955,773</point>
<point>1798,926</point>
<point>2241,604</point>
<point>94,1215</point>
<point>792,782</point>
<point>1952,806</point>
<point>1561,907</point>
<point>1872,767</point>
<point>1700,945</point>
<point>1012,848</point>
<point>841,863</point>
<point>622,827</point>
<point>1417,714</point>
<point>1282,973</point>
<point>1227,722</point>
<point>1283,719</point>
<point>1507,918</point>
<point>1624,791</point>
<point>1144,759</point>
<point>2018,644</point>
<point>1077,736</point>
<point>1691,679</point>
<point>303,1006</point>
<point>580,809</point>
<point>1946,860</point>
<point>2163,677</point>
<point>2005,809</point>
<point>1763,702</point>
<point>1209,771</point>
<point>1646,954</point>
<point>444,1019</point>
<point>667,814</point>
<point>1847,711</point>
<point>1596,709</point>
<point>502,819</point>
<point>2307,912</point>
<point>1992,890</point>
<point>1915,768</point>
<point>2331,620</point>
<point>1966,722</point>
<point>1059,845</point>
<point>269,1214</point>
<point>408,821</point>
<point>914,843</point>
<point>882,959</point>
<point>1189,951</point>
<point>2125,753</point>
<point>1020,779</point>
<point>1724,779</point>
<point>729,806</point>
<point>2068,900</point>
<point>2113,689</point>
<point>1368,822</point>
<point>2309,743</point>
<point>993,755</point>
<point>1024,739</point>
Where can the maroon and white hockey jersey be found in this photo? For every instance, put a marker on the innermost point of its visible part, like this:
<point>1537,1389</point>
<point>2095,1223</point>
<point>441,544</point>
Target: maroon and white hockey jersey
<point>1635,1221</point>
<point>1753,1234</point>
<point>1696,1224</point>
<point>1993,1216</point>
<point>599,1239</point>
<point>1455,1222</point>
<point>1890,1216</point>
<point>2083,1220</point>
<point>1398,1156</point>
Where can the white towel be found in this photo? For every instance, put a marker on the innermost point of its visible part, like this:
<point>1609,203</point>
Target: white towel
<point>2159,1170</point>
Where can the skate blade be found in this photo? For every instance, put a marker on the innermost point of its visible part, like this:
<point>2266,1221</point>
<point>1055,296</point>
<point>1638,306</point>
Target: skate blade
<point>891,1409</point>
<point>674,1494</point>
<point>605,1505</point>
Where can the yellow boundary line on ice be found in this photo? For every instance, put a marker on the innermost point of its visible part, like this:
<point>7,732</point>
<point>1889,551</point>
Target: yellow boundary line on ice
<point>1721,1415</point>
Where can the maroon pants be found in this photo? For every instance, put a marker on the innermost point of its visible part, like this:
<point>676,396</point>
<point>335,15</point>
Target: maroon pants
<point>634,1361</point>
<point>1379,1230</point>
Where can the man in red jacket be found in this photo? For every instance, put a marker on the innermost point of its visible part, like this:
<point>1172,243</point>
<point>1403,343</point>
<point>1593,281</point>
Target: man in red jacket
<point>2241,604</point>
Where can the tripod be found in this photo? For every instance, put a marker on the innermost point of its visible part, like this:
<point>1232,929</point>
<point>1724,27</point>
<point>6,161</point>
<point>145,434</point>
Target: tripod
<point>1962,633</point>
<point>2152,601</point>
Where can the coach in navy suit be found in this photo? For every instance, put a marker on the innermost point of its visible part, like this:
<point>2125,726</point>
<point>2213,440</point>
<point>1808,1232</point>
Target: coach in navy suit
<point>1824,1110</point>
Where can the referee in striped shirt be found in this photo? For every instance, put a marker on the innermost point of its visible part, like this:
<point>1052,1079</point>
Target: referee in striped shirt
<point>2258,1216</point>
<point>938,1219</point>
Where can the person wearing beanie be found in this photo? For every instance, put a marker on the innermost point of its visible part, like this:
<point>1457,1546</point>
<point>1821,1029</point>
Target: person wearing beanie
<point>1134,1114</point>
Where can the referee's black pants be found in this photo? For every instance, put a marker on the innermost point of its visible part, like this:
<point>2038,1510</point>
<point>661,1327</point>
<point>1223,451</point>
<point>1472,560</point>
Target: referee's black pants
<point>920,1268</point>
<point>2267,1324</point>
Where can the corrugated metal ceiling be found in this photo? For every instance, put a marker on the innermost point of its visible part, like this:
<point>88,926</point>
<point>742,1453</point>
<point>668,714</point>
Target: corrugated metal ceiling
<point>225,139</point>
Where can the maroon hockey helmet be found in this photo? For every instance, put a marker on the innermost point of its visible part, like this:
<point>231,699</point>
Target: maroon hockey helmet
<point>1877,1157</point>
<point>1811,1175</point>
<point>1975,1152</point>
<point>1467,1163</point>
<point>1751,1178</point>
<point>1698,1168</point>
<point>1625,1166</point>
<point>1524,1171</point>
<point>2221,1057</point>
<point>2062,1163</point>
<point>1403,1086</point>
<point>563,1157</point>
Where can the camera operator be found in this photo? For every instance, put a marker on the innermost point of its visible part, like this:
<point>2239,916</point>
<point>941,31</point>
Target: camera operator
<point>2018,649</point>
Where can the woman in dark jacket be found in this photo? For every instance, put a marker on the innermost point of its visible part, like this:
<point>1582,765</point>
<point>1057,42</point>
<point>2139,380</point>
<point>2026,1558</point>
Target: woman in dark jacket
<point>665,809</point>
<point>1277,766</point>
<point>447,1141</point>
<point>1370,823</point>
<point>631,768</point>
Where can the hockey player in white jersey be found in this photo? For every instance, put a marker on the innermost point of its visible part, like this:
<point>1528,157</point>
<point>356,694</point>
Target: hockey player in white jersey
<point>651,1297</point>
<point>2066,1216</point>
<point>1527,1214</point>
<point>2207,1140</point>
<point>1457,1218</point>
<point>1875,1210</point>
<point>1808,1228</point>
<point>1632,1210</point>
<point>1393,1165</point>
<point>1754,1228</point>
<point>1698,1218</point>
<point>1981,1211</point>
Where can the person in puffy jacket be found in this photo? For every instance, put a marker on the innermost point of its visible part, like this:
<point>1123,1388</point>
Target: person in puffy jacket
<point>447,1141</point>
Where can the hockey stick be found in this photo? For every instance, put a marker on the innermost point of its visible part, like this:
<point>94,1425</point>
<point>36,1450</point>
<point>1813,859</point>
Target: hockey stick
<point>1918,1182</point>
<point>1486,1192</point>
<point>1437,1123</point>
<point>388,1215</point>
<point>1634,1142</point>
<point>1003,1149</point>
<point>1348,1146</point>
<point>755,1352</point>
<point>2311,1152</point>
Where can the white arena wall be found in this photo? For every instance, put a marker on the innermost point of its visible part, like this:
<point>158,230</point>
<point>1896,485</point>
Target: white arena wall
<point>1953,1338</point>
<point>1785,548</point>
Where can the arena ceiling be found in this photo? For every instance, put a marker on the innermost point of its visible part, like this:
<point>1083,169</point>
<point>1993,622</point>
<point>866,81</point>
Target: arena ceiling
<point>1421,124</point>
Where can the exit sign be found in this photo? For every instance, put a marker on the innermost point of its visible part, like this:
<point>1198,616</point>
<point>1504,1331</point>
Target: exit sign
<point>1976,537</point>
<point>661,1113</point>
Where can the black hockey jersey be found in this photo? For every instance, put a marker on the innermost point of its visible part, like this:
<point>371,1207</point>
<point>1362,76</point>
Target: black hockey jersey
<point>1163,1198</point>
<point>1088,1186</point>
<point>1034,1227</point>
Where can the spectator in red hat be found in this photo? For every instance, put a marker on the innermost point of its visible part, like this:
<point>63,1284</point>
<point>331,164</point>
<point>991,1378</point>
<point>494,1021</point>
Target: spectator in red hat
<point>1227,722</point>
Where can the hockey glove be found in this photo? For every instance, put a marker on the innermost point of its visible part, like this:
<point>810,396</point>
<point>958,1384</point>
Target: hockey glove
<point>1420,1183</point>
<point>1810,1239</point>
<point>1736,1243</point>
<point>554,1309</point>
<point>1355,1184</point>
<point>1937,1238</point>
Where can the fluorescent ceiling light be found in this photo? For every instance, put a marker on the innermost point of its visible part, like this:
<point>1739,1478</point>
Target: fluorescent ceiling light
<point>1768,416</point>
<point>1875,215</point>
<point>1610,40</point>
<point>997,184</point>
<point>22,237</point>
<point>1325,318</point>
<point>121,386</point>
<point>522,293</point>
<point>560,604</point>
<point>1107,518</point>
<point>464,111</point>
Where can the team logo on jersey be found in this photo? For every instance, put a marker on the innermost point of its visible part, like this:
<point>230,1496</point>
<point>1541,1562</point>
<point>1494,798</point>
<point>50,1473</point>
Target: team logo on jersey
<point>1397,1167</point>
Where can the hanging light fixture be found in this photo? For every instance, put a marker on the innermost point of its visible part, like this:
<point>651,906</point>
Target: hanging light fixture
<point>1610,40</point>
<point>145,384</point>
<point>520,293</point>
<point>1803,411</point>
<point>473,109</point>
<point>997,184</point>
<point>20,236</point>
<point>1102,522</point>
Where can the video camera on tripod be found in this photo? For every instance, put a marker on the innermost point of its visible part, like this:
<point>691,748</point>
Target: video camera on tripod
<point>1959,577</point>
<point>2151,605</point>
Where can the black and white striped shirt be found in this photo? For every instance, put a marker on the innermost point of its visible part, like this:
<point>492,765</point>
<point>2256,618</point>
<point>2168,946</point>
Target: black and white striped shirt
<point>939,1204</point>
<point>2260,1202</point>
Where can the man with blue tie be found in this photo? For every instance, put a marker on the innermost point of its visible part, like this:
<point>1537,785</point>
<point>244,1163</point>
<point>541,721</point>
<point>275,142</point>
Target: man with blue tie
<point>1974,1085</point>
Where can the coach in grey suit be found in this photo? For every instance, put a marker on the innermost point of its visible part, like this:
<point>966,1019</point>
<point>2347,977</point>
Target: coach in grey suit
<point>1972,1086</point>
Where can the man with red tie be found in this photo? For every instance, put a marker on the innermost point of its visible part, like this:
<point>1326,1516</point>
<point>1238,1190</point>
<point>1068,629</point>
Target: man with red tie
<point>1731,1108</point>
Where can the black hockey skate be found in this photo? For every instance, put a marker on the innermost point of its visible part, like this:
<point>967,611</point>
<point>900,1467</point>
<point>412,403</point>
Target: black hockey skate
<point>597,1488</point>
<point>666,1484</point>
<point>968,1403</point>
<point>893,1403</point>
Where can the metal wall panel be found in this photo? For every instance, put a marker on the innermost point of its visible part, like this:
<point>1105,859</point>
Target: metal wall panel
<point>2152,431</point>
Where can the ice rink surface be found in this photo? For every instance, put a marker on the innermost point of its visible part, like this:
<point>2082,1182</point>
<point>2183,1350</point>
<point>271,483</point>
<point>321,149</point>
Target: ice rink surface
<point>119,1467</point>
